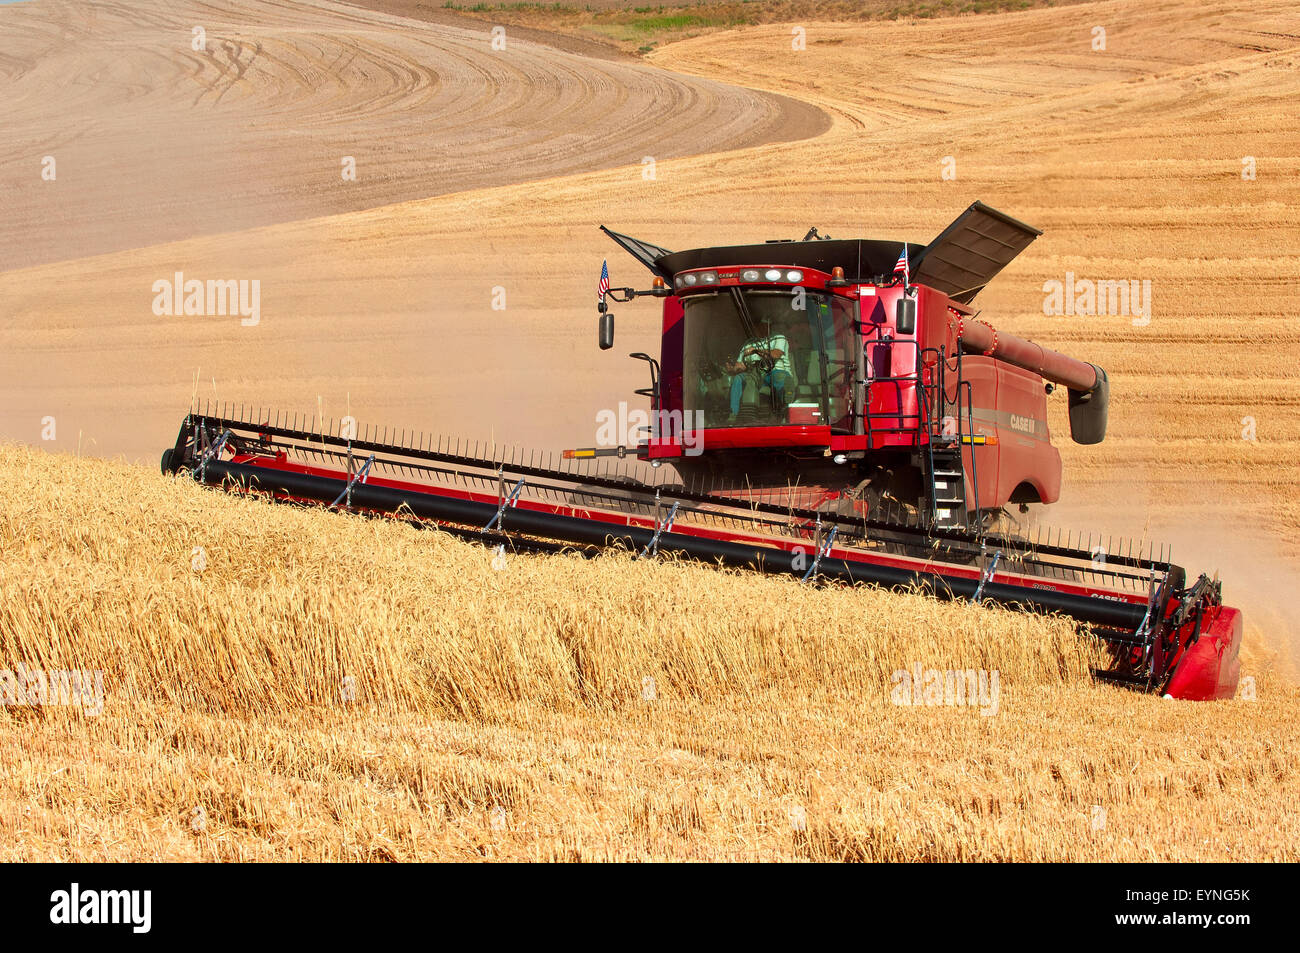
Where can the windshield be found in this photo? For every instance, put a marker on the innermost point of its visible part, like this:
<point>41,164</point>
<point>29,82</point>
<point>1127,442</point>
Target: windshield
<point>764,358</point>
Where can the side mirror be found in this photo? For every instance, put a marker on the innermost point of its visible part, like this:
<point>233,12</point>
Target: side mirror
<point>905,315</point>
<point>605,330</point>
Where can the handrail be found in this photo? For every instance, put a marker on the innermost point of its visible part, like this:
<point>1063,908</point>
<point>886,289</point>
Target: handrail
<point>974,467</point>
<point>932,399</point>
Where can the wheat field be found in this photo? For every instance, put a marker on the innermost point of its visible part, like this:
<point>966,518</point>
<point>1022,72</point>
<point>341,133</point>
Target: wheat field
<point>284,683</point>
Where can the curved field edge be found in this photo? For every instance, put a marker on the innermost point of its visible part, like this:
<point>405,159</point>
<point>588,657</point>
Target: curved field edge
<point>323,687</point>
<point>320,108</point>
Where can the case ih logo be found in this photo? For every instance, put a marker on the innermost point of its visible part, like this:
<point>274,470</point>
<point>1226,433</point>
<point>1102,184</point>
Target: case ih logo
<point>1023,424</point>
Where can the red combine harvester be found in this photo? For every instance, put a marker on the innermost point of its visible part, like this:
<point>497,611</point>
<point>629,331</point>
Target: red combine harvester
<point>830,409</point>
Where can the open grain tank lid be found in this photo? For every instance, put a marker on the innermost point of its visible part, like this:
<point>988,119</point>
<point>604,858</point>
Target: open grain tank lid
<point>960,261</point>
<point>966,255</point>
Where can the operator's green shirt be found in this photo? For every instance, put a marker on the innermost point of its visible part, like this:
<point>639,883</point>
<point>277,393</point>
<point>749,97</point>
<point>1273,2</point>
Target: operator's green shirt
<point>774,342</point>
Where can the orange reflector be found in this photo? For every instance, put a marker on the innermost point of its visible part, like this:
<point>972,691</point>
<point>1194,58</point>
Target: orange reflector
<point>575,454</point>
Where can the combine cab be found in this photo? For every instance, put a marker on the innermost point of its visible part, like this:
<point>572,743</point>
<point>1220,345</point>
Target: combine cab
<point>827,409</point>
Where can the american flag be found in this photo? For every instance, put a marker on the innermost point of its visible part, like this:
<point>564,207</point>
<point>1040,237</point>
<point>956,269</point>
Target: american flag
<point>901,268</point>
<point>603,285</point>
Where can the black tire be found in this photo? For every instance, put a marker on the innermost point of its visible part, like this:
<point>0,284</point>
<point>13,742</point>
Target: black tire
<point>167,461</point>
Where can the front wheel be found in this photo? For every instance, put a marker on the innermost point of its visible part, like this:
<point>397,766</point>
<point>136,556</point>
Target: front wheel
<point>167,461</point>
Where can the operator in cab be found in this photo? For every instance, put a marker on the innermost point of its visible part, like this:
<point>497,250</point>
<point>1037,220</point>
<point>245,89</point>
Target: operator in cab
<point>762,360</point>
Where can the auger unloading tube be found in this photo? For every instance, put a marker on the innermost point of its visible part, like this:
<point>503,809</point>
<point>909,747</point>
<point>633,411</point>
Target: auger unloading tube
<point>1088,385</point>
<point>577,530</point>
<point>1054,366</point>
